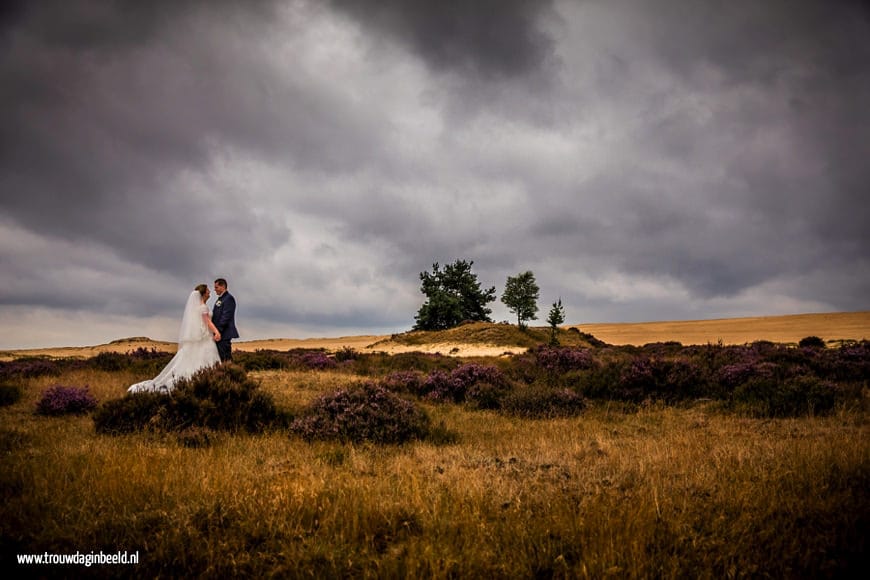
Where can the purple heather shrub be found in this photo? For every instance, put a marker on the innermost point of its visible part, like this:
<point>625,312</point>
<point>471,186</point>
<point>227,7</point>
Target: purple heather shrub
<point>366,412</point>
<point>848,363</point>
<point>444,387</point>
<point>473,373</point>
<point>61,400</point>
<point>404,381</point>
<point>317,360</point>
<point>564,359</point>
<point>663,379</point>
<point>684,377</point>
<point>733,375</point>
<point>638,373</point>
<point>437,385</point>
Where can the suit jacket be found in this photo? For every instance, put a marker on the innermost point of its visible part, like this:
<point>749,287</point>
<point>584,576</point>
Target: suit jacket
<point>224,316</point>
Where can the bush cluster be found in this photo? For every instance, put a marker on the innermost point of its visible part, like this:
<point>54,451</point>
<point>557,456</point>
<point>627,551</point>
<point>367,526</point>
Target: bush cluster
<point>301,359</point>
<point>367,412</point>
<point>761,378</point>
<point>219,398</point>
<point>543,402</point>
<point>262,360</point>
<point>316,360</point>
<point>769,397</point>
<point>10,393</point>
<point>404,382</point>
<point>131,414</point>
<point>31,367</point>
<point>140,360</point>
<point>454,386</point>
<point>379,364</point>
<point>561,360</point>
<point>62,400</point>
<point>486,387</point>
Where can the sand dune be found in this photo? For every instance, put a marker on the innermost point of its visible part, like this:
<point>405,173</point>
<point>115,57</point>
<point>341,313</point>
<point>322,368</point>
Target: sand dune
<point>784,329</point>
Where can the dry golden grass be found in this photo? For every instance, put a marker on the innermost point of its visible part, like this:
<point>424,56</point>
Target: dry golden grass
<point>782,329</point>
<point>496,339</point>
<point>664,492</point>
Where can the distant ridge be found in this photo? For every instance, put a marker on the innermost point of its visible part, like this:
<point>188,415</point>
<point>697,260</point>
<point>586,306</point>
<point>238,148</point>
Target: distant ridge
<point>132,339</point>
<point>833,327</point>
<point>490,334</point>
<point>789,328</point>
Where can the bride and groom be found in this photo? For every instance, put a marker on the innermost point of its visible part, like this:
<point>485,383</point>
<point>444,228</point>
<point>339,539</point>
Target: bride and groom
<point>203,340</point>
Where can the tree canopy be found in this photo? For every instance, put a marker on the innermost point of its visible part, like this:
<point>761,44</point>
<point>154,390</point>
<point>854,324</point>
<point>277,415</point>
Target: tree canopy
<point>453,295</point>
<point>521,296</point>
<point>555,318</point>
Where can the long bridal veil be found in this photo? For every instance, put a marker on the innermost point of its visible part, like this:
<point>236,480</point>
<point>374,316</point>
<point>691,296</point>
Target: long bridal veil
<point>192,328</point>
<point>196,350</point>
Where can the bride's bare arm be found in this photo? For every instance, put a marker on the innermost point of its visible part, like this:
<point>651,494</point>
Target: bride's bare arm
<point>210,325</point>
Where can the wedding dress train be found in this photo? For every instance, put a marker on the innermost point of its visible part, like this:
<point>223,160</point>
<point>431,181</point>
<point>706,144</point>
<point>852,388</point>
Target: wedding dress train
<point>196,350</point>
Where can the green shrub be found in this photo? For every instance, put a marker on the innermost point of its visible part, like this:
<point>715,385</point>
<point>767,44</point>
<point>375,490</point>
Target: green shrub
<point>130,414</point>
<point>768,397</point>
<point>487,395</point>
<point>219,398</point>
<point>109,361</point>
<point>811,342</point>
<point>543,402</point>
<point>262,360</point>
<point>380,363</point>
<point>345,354</point>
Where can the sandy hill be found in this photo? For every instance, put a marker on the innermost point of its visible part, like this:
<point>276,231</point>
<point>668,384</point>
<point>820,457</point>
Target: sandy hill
<point>482,339</point>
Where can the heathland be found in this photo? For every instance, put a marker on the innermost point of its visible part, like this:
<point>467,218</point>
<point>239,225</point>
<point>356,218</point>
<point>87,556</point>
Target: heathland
<point>502,456</point>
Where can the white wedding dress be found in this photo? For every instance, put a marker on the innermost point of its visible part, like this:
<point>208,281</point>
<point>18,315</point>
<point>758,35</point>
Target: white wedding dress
<point>196,350</point>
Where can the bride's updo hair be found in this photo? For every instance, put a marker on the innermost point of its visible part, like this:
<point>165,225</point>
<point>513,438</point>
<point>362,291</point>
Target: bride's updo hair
<point>201,288</point>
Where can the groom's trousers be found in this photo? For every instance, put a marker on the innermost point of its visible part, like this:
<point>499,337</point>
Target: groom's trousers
<point>225,350</point>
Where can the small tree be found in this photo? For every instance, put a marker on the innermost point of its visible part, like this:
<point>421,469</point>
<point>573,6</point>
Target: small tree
<point>555,318</point>
<point>521,297</point>
<point>452,296</point>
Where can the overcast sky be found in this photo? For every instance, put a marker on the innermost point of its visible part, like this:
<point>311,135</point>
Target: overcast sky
<point>646,160</point>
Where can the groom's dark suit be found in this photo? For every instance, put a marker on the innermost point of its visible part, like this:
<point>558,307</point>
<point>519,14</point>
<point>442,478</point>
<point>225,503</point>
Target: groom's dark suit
<point>224,318</point>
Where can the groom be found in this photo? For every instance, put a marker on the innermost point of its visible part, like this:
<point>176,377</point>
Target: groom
<point>224,318</point>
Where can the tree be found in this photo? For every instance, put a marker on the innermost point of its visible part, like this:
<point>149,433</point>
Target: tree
<point>452,296</point>
<point>521,297</point>
<point>555,318</point>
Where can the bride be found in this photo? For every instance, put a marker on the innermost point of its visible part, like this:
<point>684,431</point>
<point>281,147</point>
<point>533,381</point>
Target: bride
<point>196,348</point>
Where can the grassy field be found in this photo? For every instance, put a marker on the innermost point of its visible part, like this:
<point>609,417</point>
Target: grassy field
<point>621,491</point>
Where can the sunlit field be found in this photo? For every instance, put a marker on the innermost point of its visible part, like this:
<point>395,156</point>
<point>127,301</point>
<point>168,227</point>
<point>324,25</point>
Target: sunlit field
<point>650,483</point>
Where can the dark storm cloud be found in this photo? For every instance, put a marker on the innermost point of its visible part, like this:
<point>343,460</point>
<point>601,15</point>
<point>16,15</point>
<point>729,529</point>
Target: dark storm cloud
<point>645,159</point>
<point>492,39</point>
<point>812,60</point>
<point>745,161</point>
<point>107,106</point>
